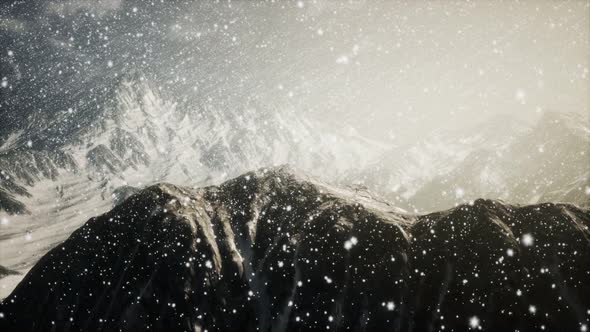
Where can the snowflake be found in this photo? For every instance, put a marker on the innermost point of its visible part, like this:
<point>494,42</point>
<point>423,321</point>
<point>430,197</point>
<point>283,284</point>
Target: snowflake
<point>390,306</point>
<point>348,244</point>
<point>459,192</point>
<point>520,96</point>
<point>474,322</point>
<point>528,240</point>
<point>342,60</point>
<point>532,309</point>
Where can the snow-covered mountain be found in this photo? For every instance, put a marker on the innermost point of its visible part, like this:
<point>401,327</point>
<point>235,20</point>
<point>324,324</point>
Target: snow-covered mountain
<point>142,137</point>
<point>547,162</point>
<point>402,171</point>
<point>502,158</point>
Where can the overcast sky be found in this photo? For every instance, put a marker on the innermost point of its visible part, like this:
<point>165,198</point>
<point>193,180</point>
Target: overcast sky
<point>392,70</point>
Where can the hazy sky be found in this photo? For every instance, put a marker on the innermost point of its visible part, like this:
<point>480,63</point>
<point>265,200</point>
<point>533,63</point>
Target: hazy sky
<point>431,63</point>
<point>393,70</point>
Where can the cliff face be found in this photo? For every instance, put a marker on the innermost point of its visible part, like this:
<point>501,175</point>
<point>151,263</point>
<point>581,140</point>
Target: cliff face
<point>271,250</point>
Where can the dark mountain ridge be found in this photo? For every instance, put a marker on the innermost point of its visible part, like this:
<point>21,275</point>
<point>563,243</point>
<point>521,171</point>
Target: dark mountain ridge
<point>273,250</point>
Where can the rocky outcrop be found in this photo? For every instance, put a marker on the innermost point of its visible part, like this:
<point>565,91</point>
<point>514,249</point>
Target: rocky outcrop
<point>10,204</point>
<point>271,250</point>
<point>122,193</point>
<point>103,160</point>
<point>20,169</point>
<point>128,147</point>
<point>4,272</point>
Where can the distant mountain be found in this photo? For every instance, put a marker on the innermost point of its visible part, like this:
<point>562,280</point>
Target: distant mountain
<point>577,191</point>
<point>549,158</point>
<point>136,128</point>
<point>402,171</point>
<point>274,250</point>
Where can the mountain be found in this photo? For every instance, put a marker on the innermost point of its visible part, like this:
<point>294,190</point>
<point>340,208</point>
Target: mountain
<point>276,250</point>
<point>136,136</point>
<point>575,191</point>
<point>401,171</point>
<point>549,158</point>
<point>502,158</point>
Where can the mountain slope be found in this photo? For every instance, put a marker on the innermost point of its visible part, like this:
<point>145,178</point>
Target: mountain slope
<point>273,250</point>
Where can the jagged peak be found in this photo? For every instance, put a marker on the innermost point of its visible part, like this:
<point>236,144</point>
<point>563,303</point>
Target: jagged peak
<point>288,180</point>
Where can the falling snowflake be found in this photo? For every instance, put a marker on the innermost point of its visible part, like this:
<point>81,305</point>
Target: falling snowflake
<point>474,322</point>
<point>459,192</point>
<point>527,240</point>
<point>348,244</point>
<point>390,306</point>
<point>520,96</point>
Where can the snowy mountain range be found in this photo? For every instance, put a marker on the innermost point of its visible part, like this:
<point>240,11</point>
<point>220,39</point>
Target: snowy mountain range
<point>138,138</point>
<point>502,158</point>
<point>141,137</point>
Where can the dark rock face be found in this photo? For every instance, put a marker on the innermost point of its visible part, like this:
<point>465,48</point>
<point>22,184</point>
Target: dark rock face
<point>273,251</point>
